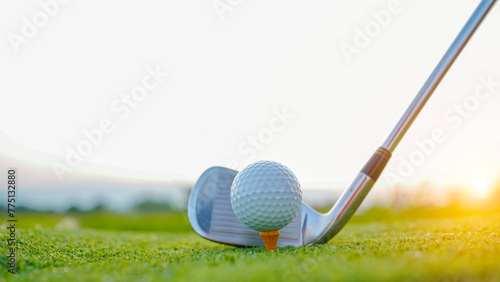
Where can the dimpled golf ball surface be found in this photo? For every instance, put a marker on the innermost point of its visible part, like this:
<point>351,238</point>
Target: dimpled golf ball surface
<point>266,196</point>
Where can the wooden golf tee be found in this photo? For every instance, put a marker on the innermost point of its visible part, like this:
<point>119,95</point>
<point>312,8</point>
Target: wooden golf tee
<point>270,239</point>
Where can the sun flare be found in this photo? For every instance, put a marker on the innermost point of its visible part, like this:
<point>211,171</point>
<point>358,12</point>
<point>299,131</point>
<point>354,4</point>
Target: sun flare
<point>481,187</point>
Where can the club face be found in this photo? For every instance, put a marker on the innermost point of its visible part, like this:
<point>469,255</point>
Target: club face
<point>212,217</point>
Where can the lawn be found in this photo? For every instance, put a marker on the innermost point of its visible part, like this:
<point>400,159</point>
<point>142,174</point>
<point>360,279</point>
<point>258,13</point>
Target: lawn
<point>82,247</point>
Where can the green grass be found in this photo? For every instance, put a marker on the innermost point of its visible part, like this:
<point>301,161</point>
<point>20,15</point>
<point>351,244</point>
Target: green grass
<point>406,247</point>
<point>145,222</point>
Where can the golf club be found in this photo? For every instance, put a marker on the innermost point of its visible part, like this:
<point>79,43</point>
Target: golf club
<point>209,208</point>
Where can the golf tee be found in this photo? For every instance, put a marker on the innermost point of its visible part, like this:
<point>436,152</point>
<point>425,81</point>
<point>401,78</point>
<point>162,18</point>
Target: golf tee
<point>270,239</point>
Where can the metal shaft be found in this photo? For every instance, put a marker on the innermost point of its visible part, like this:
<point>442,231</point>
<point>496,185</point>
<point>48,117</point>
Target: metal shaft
<point>352,198</point>
<point>439,72</point>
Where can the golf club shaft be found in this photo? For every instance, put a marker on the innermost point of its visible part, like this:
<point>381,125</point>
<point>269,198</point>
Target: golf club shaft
<point>352,198</point>
<point>380,158</point>
<point>437,75</point>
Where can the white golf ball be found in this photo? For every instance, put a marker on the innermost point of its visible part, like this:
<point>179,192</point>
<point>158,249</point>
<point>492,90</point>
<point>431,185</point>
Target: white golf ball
<point>266,196</point>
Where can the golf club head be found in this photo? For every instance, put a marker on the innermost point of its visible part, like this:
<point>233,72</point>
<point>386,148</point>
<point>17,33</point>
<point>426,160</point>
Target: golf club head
<point>212,217</point>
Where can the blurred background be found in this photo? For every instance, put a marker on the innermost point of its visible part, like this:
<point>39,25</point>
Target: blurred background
<point>113,110</point>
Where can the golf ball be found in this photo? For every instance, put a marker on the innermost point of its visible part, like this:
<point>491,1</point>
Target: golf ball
<point>266,196</point>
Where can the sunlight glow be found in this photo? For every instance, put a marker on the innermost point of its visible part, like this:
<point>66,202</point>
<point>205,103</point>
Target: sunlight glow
<point>480,187</point>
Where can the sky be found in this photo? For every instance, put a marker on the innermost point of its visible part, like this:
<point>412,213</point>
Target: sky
<point>168,89</point>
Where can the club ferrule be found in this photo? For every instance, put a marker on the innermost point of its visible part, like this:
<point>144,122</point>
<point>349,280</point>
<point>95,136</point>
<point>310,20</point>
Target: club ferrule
<point>376,164</point>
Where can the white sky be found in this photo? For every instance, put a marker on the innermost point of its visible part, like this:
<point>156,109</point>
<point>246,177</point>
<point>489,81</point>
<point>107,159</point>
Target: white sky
<point>228,77</point>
